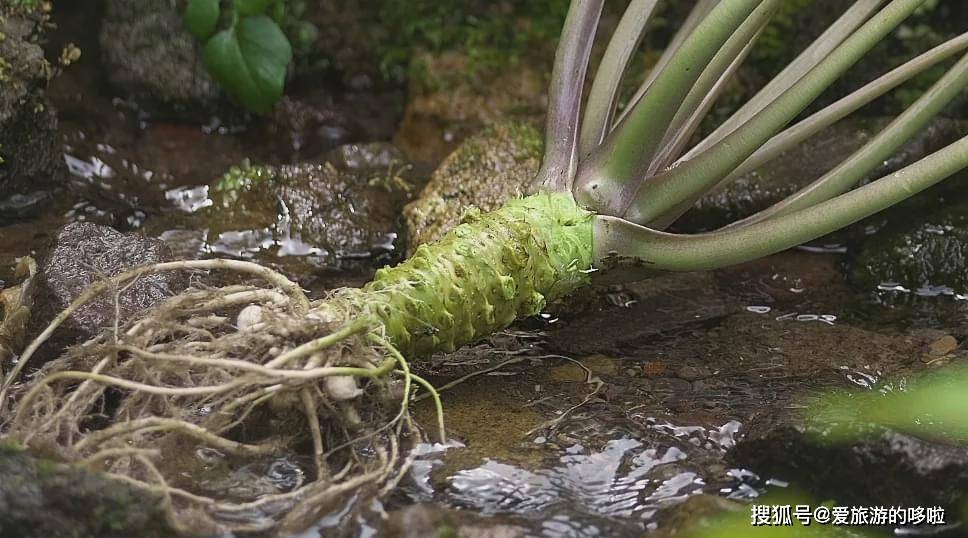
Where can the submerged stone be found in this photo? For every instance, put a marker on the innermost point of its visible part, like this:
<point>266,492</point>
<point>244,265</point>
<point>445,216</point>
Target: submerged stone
<point>488,169</point>
<point>344,210</point>
<point>927,256</point>
<point>422,520</point>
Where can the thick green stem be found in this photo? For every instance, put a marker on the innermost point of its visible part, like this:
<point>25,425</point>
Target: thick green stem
<point>848,173</point>
<point>688,181</point>
<point>696,15</point>
<point>794,71</point>
<point>708,86</point>
<point>560,160</point>
<point>485,273</point>
<point>603,96</point>
<point>613,171</point>
<point>843,107</point>
<point>625,243</point>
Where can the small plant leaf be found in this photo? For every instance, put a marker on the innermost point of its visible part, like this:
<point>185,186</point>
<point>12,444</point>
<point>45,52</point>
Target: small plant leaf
<point>250,60</point>
<point>201,17</point>
<point>251,7</point>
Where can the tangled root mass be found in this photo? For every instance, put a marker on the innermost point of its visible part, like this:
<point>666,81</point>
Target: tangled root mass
<point>220,381</point>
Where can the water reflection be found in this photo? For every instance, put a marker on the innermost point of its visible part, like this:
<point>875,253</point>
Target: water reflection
<point>618,490</point>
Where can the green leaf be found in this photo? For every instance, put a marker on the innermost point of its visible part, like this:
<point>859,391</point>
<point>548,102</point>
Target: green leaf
<point>251,7</point>
<point>201,17</point>
<point>249,61</point>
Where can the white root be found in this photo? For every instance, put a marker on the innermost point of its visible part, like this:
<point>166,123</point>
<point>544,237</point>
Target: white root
<point>204,369</point>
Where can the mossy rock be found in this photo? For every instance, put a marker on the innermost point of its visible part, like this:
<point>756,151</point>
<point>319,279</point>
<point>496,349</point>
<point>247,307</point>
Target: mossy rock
<point>40,498</point>
<point>29,152</point>
<point>488,169</point>
<point>445,105</point>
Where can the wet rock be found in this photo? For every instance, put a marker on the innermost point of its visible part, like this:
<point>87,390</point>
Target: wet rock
<point>29,160</point>
<point>446,105</point>
<point>888,468</point>
<point>43,499</point>
<point>344,211</point>
<point>485,171</point>
<point>807,162</point>
<point>658,305</point>
<point>926,257</point>
<point>590,366</point>
<point>149,55</point>
<point>84,253</point>
<point>312,119</point>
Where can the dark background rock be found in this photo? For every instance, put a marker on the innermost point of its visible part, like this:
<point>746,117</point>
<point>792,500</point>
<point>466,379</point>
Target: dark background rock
<point>29,159</point>
<point>84,253</point>
<point>885,469</point>
<point>915,260</point>
<point>149,55</point>
<point>43,499</point>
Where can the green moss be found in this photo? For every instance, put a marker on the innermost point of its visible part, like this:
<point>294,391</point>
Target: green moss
<point>527,138</point>
<point>10,447</point>
<point>493,35</point>
<point>22,7</point>
<point>242,177</point>
<point>446,530</point>
<point>45,468</point>
<point>482,275</point>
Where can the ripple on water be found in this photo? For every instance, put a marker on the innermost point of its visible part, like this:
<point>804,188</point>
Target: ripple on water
<point>618,490</point>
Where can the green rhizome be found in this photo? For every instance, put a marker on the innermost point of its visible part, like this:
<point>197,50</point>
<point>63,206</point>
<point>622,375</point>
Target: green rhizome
<point>481,276</point>
<point>255,372</point>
